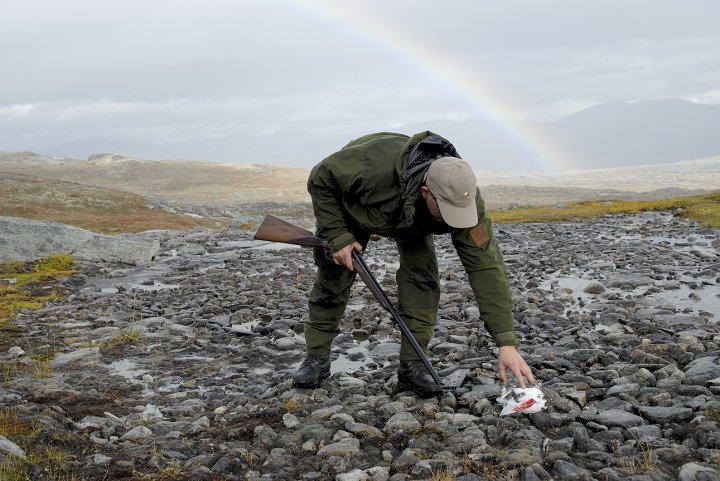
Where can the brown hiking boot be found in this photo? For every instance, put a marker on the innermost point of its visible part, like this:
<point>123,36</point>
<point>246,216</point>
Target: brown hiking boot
<point>412,376</point>
<point>311,372</point>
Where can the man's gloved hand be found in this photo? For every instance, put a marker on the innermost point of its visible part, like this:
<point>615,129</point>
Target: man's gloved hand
<point>343,257</point>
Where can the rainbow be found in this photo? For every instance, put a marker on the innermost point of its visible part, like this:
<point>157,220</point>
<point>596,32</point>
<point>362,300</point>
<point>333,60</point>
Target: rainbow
<point>449,74</point>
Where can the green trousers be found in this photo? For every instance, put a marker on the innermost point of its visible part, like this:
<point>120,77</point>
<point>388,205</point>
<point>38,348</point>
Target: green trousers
<point>418,297</point>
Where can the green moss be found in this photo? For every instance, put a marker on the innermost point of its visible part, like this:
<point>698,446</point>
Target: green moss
<point>56,263</point>
<point>29,290</point>
<point>713,414</point>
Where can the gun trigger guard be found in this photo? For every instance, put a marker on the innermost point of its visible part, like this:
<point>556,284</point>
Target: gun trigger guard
<point>328,254</point>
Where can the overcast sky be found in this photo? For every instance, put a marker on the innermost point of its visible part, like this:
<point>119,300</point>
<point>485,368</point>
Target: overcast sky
<point>168,71</point>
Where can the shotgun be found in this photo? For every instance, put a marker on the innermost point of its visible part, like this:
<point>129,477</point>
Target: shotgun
<point>277,230</point>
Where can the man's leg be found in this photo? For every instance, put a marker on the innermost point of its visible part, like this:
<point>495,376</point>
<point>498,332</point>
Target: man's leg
<point>418,298</point>
<point>326,306</point>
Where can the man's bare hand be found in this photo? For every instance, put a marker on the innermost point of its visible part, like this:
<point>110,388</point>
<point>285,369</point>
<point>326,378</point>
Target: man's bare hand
<point>343,257</point>
<point>509,358</point>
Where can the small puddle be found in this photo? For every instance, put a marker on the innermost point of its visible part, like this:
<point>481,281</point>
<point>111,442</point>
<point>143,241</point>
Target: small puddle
<point>708,300</point>
<point>353,359</point>
<point>144,279</point>
<point>155,286</point>
<point>126,369</point>
<point>704,299</point>
<point>245,327</point>
<point>195,358</point>
<point>349,360</point>
<point>205,269</point>
<point>263,371</point>
<point>257,245</point>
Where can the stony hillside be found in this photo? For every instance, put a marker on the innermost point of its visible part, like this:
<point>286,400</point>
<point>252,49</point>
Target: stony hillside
<point>195,182</point>
<point>93,208</point>
<point>139,192</point>
<point>233,186</point>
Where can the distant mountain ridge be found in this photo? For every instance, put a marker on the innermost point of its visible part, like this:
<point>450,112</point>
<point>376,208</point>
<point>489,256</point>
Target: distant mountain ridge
<point>647,132</point>
<point>699,174</point>
<point>614,134</point>
<point>206,183</point>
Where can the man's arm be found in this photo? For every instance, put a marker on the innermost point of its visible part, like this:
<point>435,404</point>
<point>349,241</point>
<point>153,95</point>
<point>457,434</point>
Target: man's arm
<point>482,260</point>
<point>326,198</point>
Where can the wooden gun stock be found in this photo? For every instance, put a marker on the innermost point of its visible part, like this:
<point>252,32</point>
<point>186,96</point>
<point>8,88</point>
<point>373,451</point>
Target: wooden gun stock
<point>277,230</point>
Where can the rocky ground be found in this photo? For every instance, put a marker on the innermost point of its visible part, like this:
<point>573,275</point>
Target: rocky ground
<point>183,365</point>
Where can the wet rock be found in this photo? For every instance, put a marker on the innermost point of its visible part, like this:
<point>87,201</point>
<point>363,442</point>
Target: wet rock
<point>402,422</point>
<point>619,418</point>
<point>697,472</point>
<point>663,415</point>
<point>85,354</point>
<point>7,447</point>
<point>594,288</point>
<point>344,448</point>
<point>138,434</point>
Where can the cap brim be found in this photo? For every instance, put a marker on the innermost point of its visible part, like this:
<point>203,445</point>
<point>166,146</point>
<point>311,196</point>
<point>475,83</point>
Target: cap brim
<point>458,217</point>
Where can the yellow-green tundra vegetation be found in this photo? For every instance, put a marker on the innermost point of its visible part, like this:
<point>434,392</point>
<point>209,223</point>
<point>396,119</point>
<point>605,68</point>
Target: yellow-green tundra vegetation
<point>29,286</point>
<point>705,209</point>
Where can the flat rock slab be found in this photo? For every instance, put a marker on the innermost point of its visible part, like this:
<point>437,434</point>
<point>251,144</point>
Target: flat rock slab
<point>85,354</point>
<point>24,239</point>
<point>8,447</point>
<point>619,418</point>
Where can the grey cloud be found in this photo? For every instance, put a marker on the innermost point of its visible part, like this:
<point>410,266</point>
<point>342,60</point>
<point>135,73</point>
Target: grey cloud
<point>162,70</point>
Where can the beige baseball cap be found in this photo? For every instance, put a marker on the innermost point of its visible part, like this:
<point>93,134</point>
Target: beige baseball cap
<point>452,182</point>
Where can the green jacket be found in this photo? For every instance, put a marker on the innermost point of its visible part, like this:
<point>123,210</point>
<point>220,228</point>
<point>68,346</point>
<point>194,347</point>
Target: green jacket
<point>372,185</point>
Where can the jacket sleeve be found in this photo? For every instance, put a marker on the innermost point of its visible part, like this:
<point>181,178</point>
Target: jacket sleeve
<point>483,262</point>
<point>326,196</point>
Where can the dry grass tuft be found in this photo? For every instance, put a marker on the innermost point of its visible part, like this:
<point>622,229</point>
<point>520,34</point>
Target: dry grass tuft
<point>442,475</point>
<point>645,463</point>
<point>11,425</point>
<point>125,336</point>
<point>291,405</point>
